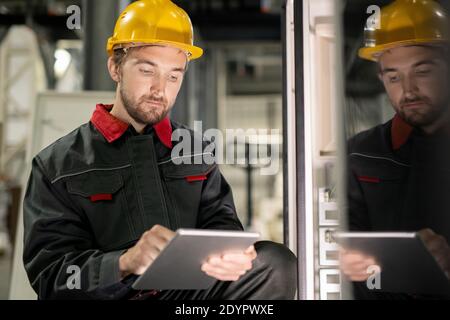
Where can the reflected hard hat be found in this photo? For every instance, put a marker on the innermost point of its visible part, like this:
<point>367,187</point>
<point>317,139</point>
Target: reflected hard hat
<point>154,22</point>
<point>403,23</point>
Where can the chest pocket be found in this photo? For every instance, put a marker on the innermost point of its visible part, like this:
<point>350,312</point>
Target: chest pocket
<point>101,196</point>
<point>384,188</point>
<point>184,185</point>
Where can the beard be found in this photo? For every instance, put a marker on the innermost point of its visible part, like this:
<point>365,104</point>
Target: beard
<point>423,115</point>
<point>147,110</point>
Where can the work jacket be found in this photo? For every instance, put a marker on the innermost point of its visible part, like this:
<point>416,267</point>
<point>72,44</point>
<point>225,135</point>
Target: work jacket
<point>398,180</point>
<point>94,192</point>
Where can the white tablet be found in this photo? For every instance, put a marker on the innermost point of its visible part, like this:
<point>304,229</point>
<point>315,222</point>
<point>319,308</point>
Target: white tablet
<point>178,266</point>
<point>406,265</point>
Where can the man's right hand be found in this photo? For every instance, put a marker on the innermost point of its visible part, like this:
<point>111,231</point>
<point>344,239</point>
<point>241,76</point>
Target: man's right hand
<point>354,265</point>
<point>139,257</point>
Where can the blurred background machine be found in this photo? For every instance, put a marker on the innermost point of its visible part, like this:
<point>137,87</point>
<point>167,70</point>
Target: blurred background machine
<point>21,78</point>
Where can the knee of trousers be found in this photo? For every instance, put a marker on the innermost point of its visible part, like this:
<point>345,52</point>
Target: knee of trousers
<point>280,262</point>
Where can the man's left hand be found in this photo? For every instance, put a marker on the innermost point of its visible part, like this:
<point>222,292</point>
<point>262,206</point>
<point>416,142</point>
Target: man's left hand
<point>230,266</point>
<point>438,247</point>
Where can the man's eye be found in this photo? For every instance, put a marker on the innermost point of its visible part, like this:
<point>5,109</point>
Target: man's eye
<point>145,71</point>
<point>423,71</point>
<point>173,78</point>
<point>393,79</point>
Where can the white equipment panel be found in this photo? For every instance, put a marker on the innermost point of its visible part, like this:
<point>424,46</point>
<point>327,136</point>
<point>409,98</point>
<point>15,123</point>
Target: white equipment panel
<point>57,114</point>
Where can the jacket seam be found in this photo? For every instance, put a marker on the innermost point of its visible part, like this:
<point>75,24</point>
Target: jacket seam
<point>86,171</point>
<point>174,205</point>
<point>176,176</point>
<point>160,187</point>
<point>113,189</point>
<point>127,211</point>
<point>57,193</point>
<point>380,158</point>
<point>143,218</point>
<point>185,156</point>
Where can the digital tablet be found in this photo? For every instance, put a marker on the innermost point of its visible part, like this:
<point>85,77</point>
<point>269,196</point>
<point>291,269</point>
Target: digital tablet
<point>178,266</point>
<point>406,265</point>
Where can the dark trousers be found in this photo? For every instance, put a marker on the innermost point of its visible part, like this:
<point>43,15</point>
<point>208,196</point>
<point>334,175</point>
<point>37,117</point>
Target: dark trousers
<point>273,277</point>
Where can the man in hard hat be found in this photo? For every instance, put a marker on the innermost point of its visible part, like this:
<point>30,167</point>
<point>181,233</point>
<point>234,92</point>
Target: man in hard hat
<point>103,201</point>
<point>398,171</point>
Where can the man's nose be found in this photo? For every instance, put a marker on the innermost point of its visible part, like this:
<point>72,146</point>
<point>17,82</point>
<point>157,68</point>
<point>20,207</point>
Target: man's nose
<point>158,85</point>
<point>409,86</point>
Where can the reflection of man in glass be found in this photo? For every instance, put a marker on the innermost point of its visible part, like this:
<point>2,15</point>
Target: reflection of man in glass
<point>399,172</point>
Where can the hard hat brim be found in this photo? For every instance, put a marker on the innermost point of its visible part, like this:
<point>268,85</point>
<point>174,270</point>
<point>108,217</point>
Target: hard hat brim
<point>194,52</point>
<point>373,53</point>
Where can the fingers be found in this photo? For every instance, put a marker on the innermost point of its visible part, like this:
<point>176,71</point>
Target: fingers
<point>432,241</point>
<point>355,265</point>
<point>230,266</point>
<point>148,250</point>
<point>222,274</point>
<point>153,240</point>
<point>140,257</point>
<point>239,256</point>
<point>437,245</point>
<point>353,258</point>
<point>427,236</point>
<point>356,274</point>
<point>251,252</point>
<point>358,277</point>
<point>157,237</point>
<point>162,232</point>
<point>231,262</point>
<point>137,259</point>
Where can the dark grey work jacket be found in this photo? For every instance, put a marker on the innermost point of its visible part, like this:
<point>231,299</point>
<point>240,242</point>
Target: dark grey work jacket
<point>398,180</point>
<point>93,193</point>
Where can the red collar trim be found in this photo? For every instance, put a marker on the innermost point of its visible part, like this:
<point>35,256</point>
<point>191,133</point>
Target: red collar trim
<point>400,132</point>
<point>163,130</point>
<point>112,128</point>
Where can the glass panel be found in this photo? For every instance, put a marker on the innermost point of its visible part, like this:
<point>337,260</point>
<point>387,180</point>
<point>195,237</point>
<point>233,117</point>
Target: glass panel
<point>397,123</point>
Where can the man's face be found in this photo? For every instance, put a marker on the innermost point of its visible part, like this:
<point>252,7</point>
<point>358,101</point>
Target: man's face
<point>416,81</point>
<point>150,80</point>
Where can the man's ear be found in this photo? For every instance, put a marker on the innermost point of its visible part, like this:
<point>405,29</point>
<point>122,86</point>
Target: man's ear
<point>379,73</point>
<point>114,70</point>
<point>380,76</point>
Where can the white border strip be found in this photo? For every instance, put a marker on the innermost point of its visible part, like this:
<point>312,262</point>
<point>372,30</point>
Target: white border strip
<point>309,227</point>
<point>291,127</point>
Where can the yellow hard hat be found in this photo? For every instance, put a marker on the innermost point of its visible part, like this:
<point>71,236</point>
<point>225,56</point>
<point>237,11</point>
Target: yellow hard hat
<point>403,23</point>
<point>154,22</point>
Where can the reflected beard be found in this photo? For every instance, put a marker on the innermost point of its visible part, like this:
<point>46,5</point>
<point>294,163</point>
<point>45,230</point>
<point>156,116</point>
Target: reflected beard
<point>144,115</point>
<point>421,117</point>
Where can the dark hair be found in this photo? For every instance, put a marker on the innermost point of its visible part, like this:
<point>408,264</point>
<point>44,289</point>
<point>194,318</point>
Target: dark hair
<point>119,55</point>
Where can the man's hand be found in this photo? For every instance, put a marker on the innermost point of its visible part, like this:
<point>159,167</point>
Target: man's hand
<point>438,247</point>
<point>229,266</point>
<point>354,265</point>
<point>139,257</point>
